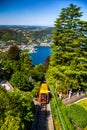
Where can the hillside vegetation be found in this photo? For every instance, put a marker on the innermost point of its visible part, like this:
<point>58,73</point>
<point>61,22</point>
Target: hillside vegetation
<point>12,36</point>
<point>20,35</point>
<point>17,107</point>
<point>67,71</point>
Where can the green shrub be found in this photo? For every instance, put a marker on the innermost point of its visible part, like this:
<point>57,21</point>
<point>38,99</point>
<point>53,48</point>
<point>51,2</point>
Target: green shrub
<point>60,114</point>
<point>77,115</point>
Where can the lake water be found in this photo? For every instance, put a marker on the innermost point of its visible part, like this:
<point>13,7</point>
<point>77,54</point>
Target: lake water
<point>41,53</point>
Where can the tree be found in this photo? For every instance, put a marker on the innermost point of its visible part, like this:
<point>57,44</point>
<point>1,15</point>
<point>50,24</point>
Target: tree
<point>13,53</point>
<point>10,67</point>
<point>68,63</point>
<point>4,104</point>
<point>47,60</point>
<point>12,123</point>
<point>38,72</point>
<point>25,64</point>
<point>21,81</point>
<point>16,110</point>
<point>22,108</point>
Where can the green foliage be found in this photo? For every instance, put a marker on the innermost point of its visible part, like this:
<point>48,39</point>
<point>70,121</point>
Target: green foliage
<point>35,90</point>
<point>26,64</point>
<point>20,81</point>
<point>60,114</point>
<point>4,104</point>
<point>11,123</point>
<point>16,110</point>
<point>11,65</point>
<point>68,60</point>
<point>38,72</point>
<point>2,56</point>
<point>77,115</point>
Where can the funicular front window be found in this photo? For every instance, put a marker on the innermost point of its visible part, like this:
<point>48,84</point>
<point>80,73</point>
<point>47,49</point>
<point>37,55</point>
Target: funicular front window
<point>43,97</point>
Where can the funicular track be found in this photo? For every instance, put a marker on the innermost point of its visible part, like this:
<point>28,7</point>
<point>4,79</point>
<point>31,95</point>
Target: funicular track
<point>45,121</point>
<point>43,118</point>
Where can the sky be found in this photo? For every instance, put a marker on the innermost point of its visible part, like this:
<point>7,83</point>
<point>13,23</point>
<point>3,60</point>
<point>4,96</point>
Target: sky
<point>35,12</point>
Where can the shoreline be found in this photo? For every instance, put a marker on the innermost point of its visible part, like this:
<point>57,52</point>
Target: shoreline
<point>24,47</point>
<point>34,49</point>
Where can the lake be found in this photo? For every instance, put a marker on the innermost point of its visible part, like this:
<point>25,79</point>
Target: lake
<point>41,53</point>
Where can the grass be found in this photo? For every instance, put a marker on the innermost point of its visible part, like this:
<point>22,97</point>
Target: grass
<point>57,125</point>
<point>77,115</point>
<point>83,103</point>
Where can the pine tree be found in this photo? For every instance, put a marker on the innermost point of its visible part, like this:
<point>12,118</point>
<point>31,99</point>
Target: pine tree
<point>68,63</point>
<point>13,53</point>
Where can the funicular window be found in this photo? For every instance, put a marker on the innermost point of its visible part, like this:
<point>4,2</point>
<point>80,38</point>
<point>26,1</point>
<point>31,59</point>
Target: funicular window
<point>43,97</point>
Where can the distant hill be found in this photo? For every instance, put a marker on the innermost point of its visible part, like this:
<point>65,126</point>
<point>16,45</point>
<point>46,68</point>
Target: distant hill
<point>11,35</point>
<point>24,27</point>
<point>25,34</point>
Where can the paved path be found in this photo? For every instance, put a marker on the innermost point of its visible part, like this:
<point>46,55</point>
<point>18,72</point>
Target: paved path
<point>73,99</point>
